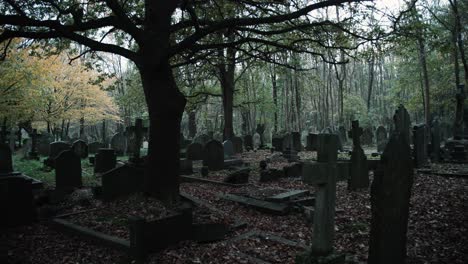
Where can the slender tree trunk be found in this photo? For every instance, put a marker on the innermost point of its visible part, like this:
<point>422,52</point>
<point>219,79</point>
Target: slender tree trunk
<point>371,81</point>
<point>275,98</point>
<point>192,123</point>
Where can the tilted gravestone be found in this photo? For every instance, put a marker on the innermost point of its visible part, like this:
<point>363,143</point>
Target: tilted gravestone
<point>67,171</point>
<point>80,148</point>
<point>228,149</point>
<point>435,140</point>
<point>381,138</point>
<point>119,143</point>
<point>94,147</point>
<point>402,122</point>
<point>420,147</point>
<point>43,147</point>
<point>122,181</point>
<point>237,144</point>
<point>213,155</point>
<point>195,151</point>
<point>248,142</point>
<point>105,160</point>
<point>137,132</point>
<point>359,174</point>
<point>390,197</point>
<point>323,174</point>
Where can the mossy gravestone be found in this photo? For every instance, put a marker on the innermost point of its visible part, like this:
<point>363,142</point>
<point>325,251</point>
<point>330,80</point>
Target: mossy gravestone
<point>390,197</point>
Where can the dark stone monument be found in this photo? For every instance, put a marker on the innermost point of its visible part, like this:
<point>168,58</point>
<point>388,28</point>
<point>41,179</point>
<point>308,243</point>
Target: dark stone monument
<point>390,197</point>
<point>237,143</point>
<point>202,139</point>
<point>296,141</point>
<point>195,151</point>
<point>16,199</point>
<point>367,136</point>
<point>137,139</point>
<point>105,160</point>
<point>43,147</point>
<point>67,171</point>
<point>213,155</point>
<point>402,122</point>
<point>122,181</point>
<point>94,147</point>
<point>312,142</point>
<point>119,143</point>
<point>419,145</point>
<point>186,166</point>
<point>359,174</point>
<point>57,147</point>
<point>80,148</point>
<point>381,136</point>
<point>277,143</point>
<point>257,141</point>
<point>33,154</point>
<point>248,142</point>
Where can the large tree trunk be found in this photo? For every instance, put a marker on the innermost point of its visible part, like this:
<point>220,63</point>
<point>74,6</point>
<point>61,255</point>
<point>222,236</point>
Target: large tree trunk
<point>227,72</point>
<point>165,107</point>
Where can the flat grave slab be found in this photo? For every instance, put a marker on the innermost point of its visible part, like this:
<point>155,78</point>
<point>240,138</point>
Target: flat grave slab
<point>286,196</point>
<point>265,206</point>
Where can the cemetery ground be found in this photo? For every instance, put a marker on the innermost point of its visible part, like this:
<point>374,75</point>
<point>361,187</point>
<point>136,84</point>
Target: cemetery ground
<point>437,229</point>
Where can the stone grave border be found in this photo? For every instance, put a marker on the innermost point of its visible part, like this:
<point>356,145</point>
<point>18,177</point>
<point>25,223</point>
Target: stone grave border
<point>185,178</point>
<point>144,235</point>
<point>267,236</point>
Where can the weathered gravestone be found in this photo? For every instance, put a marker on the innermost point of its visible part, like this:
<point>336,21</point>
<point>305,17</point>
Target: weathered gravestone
<point>16,199</point>
<point>419,147</point>
<point>402,122</point>
<point>195,151</point>
<point>80,148</point>
<point>248,142</point>
<point>381,138</point>
<point>312,142</point>
<point>134,145</point>
<point>260,130</point>
<point>257,141</point>
<point>94,147</point>
<point>43,147</point>
<point>119,143</point>
<point>323,174</point>
<point>228,149</point>
<point>296,141</point>
<point>213,155</point>
<point>57,147</point>
<point>4,133</point>
<point>122,181</point>
<point>390,197</point>
<point>237,144</point>
<point>359,175</point>
<point>435,140</point>
<point>33,154</point>
<point>277,143</point>
<point>186,166</point>
<point>367,136</point>
<point>105,160</point>
<point>287,142</point>
<point>67,171</point>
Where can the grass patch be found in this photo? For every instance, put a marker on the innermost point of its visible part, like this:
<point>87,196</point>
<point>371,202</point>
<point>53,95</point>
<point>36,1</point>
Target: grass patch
<point>37,170</point>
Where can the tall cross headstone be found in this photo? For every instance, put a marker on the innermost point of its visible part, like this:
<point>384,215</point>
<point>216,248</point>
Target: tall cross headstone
<point>390,198</point>
<point>33,154</point>
<point>138,130</point>
<point>323,175</point>
<point>359,175</point>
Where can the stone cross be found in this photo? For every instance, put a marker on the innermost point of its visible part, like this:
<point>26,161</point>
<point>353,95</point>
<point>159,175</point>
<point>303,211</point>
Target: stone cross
<point>138,129</point>
<point>355,133</point>
<point>33,153</point>
<point>323,174</point>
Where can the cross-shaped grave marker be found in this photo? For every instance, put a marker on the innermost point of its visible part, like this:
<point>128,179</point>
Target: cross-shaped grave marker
<point>138,129</point>
<point>33,153</point>
<point>355,133</point>
<point>323,174</point>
